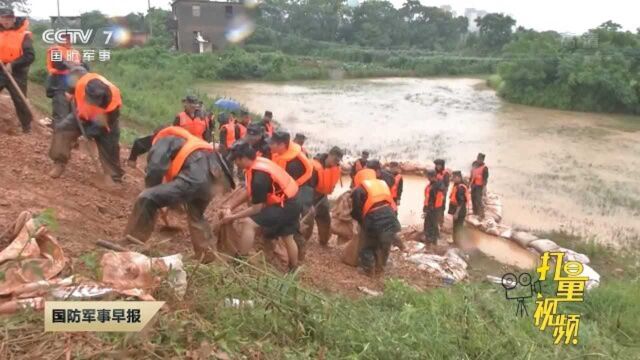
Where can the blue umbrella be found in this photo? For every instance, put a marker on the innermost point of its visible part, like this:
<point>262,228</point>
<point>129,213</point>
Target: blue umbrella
<point>228,104</point>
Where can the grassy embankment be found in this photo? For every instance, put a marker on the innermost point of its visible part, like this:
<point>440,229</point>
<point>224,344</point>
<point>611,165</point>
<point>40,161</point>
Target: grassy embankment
<point>286,321</point>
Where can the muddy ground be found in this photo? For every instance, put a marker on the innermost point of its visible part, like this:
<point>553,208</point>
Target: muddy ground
<point>86,212</point>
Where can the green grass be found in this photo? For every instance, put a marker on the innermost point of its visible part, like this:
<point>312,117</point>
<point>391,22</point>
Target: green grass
<point>290,321</point>
<point>495,82</point>
<point>462,322</point>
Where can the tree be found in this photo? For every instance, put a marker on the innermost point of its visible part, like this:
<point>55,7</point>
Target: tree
<point>93,20</point>
<point>495,31</point>
<point>316,19</point>
<point>135,21</point>
<point>19,5</point>
<point>540,69</point>
<point>430,27</point>
<point>160,23</point>
<point>376,23</point>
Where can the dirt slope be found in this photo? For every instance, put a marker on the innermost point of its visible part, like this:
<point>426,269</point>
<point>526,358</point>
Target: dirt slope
<point>85,212</point>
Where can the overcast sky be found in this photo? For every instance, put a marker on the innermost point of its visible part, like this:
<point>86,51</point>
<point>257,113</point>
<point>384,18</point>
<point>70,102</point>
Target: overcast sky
<point>561,15</point>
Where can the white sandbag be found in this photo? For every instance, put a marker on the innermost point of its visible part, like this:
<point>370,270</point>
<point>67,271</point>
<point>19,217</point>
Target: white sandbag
<point>449,268</point>
<point>493,231</point>
<point>570,255</point>
<point>455,255</point>
<point>473,220</point>
<point>506,233</point>
<point>523,238</point>
<point>594,277</point>
<point>491,199</point>
<point>413,247</point>
<point>544,245</point>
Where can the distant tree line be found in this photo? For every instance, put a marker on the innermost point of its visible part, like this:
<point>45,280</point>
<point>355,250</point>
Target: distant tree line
<point>379,24</point>
<point>597,71</point>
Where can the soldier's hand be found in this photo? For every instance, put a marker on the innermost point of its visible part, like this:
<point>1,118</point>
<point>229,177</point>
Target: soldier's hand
<point>226,219</point>
<point>224,212</point>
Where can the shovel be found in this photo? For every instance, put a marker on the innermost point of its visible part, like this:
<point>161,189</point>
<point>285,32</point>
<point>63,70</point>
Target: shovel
<point>15,86</point>
<point>87,145</point>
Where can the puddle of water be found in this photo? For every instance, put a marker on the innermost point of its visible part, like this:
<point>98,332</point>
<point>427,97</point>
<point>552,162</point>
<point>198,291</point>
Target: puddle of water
<point>502,250</point>
<point>553,169</point>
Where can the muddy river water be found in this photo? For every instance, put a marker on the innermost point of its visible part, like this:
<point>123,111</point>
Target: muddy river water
<point>555,170</point>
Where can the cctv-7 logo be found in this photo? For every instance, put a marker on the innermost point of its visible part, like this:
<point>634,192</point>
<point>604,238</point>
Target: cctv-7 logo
<point>109,34</point>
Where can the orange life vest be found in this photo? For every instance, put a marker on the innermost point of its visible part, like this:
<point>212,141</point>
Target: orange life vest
<point>362,175</point>
<point>439,202</point>
<point>477,177</point>
<point>88,112</point>
<point>377,191</point>
<point>268,128</point>
<point>453,199</point>
<point>231,134</point>
<point>196,126</point>
<point>11,42</point>
<point>327,177</point>
<point>243,130</point>
<point>64,53</point>
<point>441,175</point>
<point>295,152</point>
<point>287,187</point>
<point>394,188</point>
<point>192,144</point>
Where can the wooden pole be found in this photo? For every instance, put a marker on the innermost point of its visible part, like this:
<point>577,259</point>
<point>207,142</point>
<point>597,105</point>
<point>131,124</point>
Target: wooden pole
<point>18,90</point>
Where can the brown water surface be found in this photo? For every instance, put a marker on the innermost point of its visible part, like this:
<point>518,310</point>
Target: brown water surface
<point>555,170</point>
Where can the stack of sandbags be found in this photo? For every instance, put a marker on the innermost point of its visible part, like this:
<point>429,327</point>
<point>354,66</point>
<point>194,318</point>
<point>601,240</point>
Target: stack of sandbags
<point>492,207</point>
<point>491,225</point>
<point>412,168</point>
<point>33,260</point>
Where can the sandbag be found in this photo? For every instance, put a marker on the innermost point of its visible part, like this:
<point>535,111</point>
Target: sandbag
<point>494,213</point>
<point>280,251</point>
<point>32,256</point>
<point>342,207</point>
<point>506,233</point>
<point>493,231</point>
<point>570,255</point>
<point>341,221</point>
<point>594,277</point>
<point>473,220</point>
<point>523,238</point>
<point>351,250</point>
<point>132,270</point>
<point>544,245</point>
<point>343,229</point>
